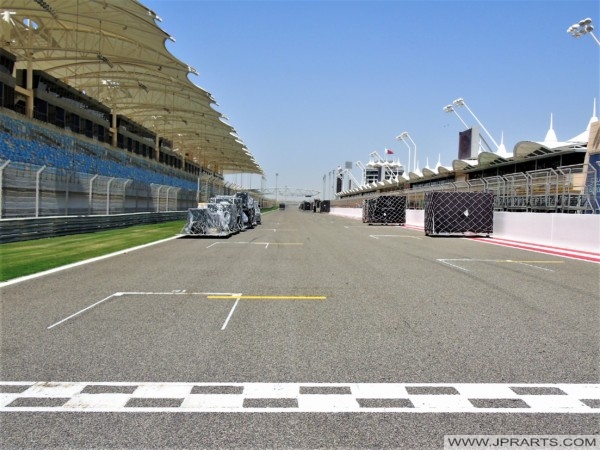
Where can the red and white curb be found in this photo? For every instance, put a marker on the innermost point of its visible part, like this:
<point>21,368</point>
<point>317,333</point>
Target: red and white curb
<point>539,248</point>
<point>550,250</point>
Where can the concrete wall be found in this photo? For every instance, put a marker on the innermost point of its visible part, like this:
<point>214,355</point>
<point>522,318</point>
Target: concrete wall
<point>570,231</point>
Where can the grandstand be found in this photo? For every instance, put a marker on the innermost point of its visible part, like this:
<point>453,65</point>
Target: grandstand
<point>548,176</point>
<point>120,118</point>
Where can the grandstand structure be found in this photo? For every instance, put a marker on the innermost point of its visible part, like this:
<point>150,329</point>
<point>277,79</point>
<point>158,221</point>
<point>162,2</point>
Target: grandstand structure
<point>98,117</point>
<point>549,176</point>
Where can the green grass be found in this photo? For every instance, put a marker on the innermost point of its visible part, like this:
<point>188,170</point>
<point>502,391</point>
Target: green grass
<point>18,259</point>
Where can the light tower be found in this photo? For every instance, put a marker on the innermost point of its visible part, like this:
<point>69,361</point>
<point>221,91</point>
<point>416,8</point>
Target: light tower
<point>461,102</point>
<point>402,137</point>
<point>582,28</point>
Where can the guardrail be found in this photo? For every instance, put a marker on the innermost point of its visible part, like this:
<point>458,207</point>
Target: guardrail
<point>14,230</point>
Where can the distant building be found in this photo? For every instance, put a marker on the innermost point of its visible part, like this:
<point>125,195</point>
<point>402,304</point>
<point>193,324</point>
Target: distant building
<point>379,169</point>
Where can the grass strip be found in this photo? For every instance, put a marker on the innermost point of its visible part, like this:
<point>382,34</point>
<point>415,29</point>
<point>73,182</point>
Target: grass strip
<point>19,259</point>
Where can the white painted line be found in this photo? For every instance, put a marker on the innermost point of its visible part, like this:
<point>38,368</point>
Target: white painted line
<point>271,390</point>
<point>328,403</point>
<point>217,243</point>
<point>520,262</point>
<point>377,236</point>
<point>116,294</point>
<point>232,310</point>
<point>81,263</point>
<point>445,261</point>
<point>100,402</point>
<point>405,398</point>
<point>210,402</point>
<point>276,243</point>
<point>442,403</point>
<point>257,243</point>
<point>122,294</point>
<point>535,267</point>
<point>162,390</point>
<point>176,292</point>
<point>63,389</point>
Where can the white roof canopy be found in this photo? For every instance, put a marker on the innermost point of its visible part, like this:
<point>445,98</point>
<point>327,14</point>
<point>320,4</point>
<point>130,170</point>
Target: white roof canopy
<point>114,51</point>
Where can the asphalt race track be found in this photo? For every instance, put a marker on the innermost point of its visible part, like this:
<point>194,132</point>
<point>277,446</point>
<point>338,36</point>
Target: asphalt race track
<point>309,331</point>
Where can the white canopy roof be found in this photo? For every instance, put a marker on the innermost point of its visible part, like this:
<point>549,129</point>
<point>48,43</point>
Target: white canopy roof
<point>114,51</point>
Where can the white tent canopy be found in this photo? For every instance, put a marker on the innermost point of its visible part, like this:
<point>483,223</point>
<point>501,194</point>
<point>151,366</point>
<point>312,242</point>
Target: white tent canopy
<point>114,51</point>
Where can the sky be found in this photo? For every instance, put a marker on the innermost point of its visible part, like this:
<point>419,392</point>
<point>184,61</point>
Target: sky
<point>309,85</point>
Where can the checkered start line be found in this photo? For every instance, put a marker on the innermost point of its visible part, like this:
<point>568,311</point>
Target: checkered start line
<point>19,396</point>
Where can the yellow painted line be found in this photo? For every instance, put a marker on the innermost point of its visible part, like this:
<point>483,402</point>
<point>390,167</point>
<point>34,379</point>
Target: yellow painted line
<point>267,297</point>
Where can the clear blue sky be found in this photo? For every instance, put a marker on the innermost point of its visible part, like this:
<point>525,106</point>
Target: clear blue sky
<point>309,85</point>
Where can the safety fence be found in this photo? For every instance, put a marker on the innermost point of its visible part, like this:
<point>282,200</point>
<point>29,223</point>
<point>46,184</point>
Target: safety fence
<point>28,190</point>
<point>567,189</point>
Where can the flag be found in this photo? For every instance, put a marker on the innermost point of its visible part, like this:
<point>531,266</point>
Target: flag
<point>389,152</point>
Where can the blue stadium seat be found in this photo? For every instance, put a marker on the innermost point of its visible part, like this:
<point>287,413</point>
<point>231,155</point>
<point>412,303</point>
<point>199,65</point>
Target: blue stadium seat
<point>18,146</point>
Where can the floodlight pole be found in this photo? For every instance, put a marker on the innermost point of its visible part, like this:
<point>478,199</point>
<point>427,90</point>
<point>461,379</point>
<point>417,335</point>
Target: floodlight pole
<point>415,153</point>
<point>581,28</point>
<point>449,109</point>
<point>402,137</point>
<point>461,102</point>
<point>332,185</point>
<point>399,138</point>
